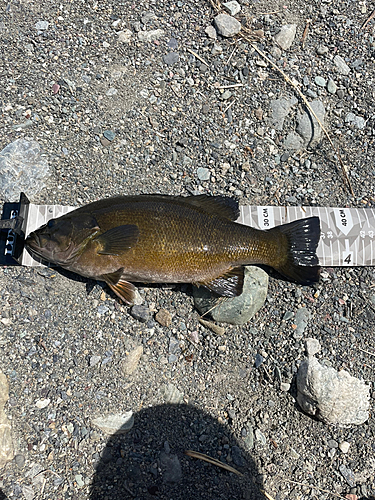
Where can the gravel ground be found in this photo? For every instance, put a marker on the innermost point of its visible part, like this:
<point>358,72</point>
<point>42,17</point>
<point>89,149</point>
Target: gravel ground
<point>127,117</point>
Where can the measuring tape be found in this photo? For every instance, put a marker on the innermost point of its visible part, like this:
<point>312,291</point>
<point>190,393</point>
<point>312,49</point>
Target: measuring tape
<point>347,234</point>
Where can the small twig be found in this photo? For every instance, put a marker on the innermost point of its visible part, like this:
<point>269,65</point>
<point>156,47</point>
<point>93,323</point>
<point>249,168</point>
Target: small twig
<point>230,57</point>
<point>310,486</point>
<point>343,170</point>
<point>372,15</point>
<point>198,57</point>
<point>229,105</point>
<point>230,86</point>
<point>210,460</point>
<point>266,495</point>
<point>305,32</point>
<point>367,352</point>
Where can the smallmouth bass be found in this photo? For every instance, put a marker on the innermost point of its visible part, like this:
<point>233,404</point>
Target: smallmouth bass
<point>173,239</point>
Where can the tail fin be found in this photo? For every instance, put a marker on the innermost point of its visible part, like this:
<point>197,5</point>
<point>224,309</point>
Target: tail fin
<point>302,263</point>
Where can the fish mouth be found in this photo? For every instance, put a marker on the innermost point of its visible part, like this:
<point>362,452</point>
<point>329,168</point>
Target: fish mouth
<point>33,245</point>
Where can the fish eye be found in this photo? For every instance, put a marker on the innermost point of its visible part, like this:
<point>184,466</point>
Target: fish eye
<point>51,223</point>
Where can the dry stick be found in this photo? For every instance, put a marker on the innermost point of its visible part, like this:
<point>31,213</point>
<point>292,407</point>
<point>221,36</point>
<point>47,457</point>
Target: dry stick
<point>305,32</point>
<point>198,57</point>
<point>343,170</point>
<point>372,15</point>
<point>229,105</point>
<point>210,460</point>
<point>367,352</point>
<point>312,487</point>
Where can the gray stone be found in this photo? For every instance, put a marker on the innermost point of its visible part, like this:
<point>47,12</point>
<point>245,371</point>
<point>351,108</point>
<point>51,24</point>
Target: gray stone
<point>260,437</point>
<point>341,65</point>
<point>355,120</point>
<point>348,475</point>
<point>130,363</point>
<point>321,50</point>
<point>149,36</point>
<point>6,442</point>
<point>308,127</point>
<point>124,36</point>
<point>79,480</point>
<point>203,173</point>
<point>301,320</point>
<point>232,7</point>
<point>20,461</point>
<point>171,467</point>
<point>226,25</point>
<point>237,457</point>
<point>333,397</point>
<point>115,423</point>
<point>94,360</point>
<point>293,142</point>
<point>226,95</point>
<point>236,310</point>
<point>211,32</point>
<point>285,37</point>
<point>320,81</point>
<point>312,346</point>
<point>216,49</point>
<point>171,394</point>
<point>249,438</point>
<point>28,492</point>
<point>331,87</point>
<point>141,313</point>
<point>279,109</point>
<point>42,25</point>
<point>171,58</point>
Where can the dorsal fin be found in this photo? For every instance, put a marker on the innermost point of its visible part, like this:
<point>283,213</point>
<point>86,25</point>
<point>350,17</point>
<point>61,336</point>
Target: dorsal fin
<point>222,206</point>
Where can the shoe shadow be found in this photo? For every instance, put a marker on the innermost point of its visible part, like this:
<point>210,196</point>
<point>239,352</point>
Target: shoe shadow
<point>150,462</point>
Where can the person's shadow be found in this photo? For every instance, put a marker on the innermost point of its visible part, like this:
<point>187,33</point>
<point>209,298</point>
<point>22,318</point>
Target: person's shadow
<point>150,461</point>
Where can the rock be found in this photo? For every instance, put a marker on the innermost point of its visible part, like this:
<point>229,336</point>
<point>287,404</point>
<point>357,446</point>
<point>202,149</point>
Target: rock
<point>237,457</point>
<point>94,360</point>
<point>312,346</point>
<point>320,81</point>
<point>236,310</point>
<point>6,443</point>
<point>171,394</point>
<point>211,32</point>
<point>293,142</point>
<point>110,92</point>
<point>226,25</point>
<point>260,437</point>
<point>331,86</point>
<point>171,467</point>
<point>149,36</point>
<point>163,317</point>
<point>321,50</point>
<point>125,36</point>
<point>341,65</point>
<point>216,49</point>
<point>115,423</point>
<point>108,134</point>
<point>20,461</point>
<point>129,364</point>
<point>171,58</point>
<point>301,320</point>
<point>279,109</point>
<point>141,313</point>
<point>22,168</point>
<point>333,397</point>
<point>357,121</point>
<point>28,492</point>
<point>284,386</point>
<point>42,25</point>
<point>42,403</point>
<point>219,330</point>
<point>203,174</point>
<point>232,7</point>
<point>285,37</point>
<point>348,475</point>
<point>308,127</point>
<point>344,446</point>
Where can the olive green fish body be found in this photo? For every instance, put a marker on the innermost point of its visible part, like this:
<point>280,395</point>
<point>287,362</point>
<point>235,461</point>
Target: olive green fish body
<point>165,239</point>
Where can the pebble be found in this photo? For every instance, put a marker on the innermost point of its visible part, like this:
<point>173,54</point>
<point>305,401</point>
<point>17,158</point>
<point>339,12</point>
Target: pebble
<point>130,363</point>
<point>163,317</point>
<point>293,142</point>
<point>94,360</point>
<point>320,81</point>
<point>124,36</point>
<point>109,135</point>
<point>203,173</point>
<point>321,50</point>
<point>171,394</point>
<point>237,310</point>
<point>115,423</point>
<point>284,386</point>
<point>140,313</point>
<point>357,121</point>
<point>301,320</point>
<point>232,7</point>
<point>341,65</point>
<point>260,437</point>
<point>285,37</point>
<point>237,457</point>
<point>344,446</point>
<point>226,95</point>
<point>211,32</point>
<point>226,25</point>
<point>171,58</point>
<point>79,480</point>
<point>42,403</point>
<point>149,36</point>
<point>348,475</point>
<point>312,346</point>
<point>280,109</point>
<point>20,461</point>
<point>216,49</point>
<point>331,86</point>
<point>42,25</point>
<point>171,467</point>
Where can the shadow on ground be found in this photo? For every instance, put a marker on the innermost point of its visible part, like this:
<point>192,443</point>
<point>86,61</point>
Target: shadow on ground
<point>149,462</point>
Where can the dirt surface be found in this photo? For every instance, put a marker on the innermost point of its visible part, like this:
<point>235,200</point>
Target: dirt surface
<point>128,117</point>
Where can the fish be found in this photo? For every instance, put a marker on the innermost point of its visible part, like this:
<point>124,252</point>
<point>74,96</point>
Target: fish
<point>173,239</point>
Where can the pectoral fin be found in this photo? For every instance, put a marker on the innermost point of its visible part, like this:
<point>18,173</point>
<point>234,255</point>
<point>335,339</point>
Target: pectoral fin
<point>118,240</point>
<point>229,284</point>
<point>122,288</point>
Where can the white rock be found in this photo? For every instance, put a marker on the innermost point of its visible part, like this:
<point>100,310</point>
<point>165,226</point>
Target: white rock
<point>312,346</point>
<point>285,37</point>
<point>226,25</point>
<point>42,403</point>
<point>211,32</point>
<point>333,397</point>
<point>149,36</point>
<point>341,65</point>
<point>124,36</point>
<point>216,49</point>
<point>115,423</point>
<point>344,446</point>
<point>130,363</point>
<point>232,7</point>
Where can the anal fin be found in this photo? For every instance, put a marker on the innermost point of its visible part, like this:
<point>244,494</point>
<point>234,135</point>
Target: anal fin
<point>123,289</point>
<point>229,284</point>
